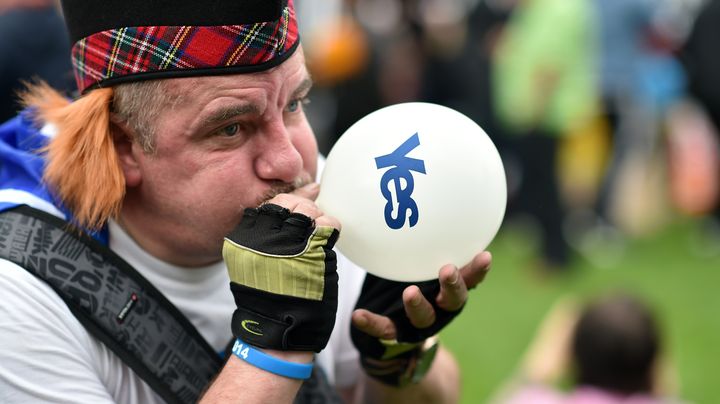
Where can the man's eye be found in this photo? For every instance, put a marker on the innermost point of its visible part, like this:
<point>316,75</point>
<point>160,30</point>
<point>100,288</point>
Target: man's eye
<point>230,130</point>
<point>296,104</point>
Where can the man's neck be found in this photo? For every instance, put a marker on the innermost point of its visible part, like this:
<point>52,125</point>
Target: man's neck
<point>151,239</point>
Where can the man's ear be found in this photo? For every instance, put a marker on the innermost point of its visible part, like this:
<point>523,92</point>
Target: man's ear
<point>122,139</point>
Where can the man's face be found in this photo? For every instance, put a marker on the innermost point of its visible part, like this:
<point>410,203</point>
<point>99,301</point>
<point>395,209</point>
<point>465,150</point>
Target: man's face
<point>229,143</point>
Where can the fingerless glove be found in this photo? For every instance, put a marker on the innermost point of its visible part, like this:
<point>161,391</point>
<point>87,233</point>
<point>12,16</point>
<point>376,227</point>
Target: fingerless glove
<point>283,276</point>
<point>385,360</point>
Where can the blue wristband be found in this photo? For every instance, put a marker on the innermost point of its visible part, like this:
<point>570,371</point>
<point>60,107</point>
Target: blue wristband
<point>269,363</point>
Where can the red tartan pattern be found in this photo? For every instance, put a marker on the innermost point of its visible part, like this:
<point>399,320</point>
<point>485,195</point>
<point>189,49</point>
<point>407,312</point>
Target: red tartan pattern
<point>127,51</point>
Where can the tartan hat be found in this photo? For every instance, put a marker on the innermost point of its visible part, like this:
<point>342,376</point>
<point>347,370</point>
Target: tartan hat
<point>119,41</point>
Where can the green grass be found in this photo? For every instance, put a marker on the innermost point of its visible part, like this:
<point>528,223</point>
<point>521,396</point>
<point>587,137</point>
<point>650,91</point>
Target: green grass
<point>665,269</point>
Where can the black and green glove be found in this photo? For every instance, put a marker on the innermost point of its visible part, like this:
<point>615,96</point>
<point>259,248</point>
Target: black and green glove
<point>394,362</point>
<point>283,275</point>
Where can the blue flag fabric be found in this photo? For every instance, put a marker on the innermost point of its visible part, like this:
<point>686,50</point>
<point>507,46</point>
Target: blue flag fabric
<point>22,162</point>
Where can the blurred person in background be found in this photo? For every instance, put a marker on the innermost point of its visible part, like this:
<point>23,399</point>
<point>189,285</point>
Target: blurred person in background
<point>387,65</point>
<point>609,351</point>
<point>459,65</point>
<point>701,60</point>
<point>639,81</point>
<point>623,29</point>
<point>33,45</point>
<point>543,88</point>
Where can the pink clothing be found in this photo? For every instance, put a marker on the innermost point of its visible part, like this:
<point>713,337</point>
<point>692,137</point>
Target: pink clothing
<point>536,394</point>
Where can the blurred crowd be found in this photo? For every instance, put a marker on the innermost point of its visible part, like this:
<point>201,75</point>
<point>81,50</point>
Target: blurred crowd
<point>605,112</point>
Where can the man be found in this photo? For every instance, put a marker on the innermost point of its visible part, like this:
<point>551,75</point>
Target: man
<point>188,117</point>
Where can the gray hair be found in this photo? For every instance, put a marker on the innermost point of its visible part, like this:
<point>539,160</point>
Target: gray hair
<point>138,106</point>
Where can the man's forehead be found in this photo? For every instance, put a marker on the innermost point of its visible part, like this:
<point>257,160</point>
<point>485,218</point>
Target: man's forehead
<point>289,75</point>
<point>188,85</point>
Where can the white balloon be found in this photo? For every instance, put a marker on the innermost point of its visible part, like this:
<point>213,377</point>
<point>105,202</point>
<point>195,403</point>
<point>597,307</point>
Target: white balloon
<point>415,186</point>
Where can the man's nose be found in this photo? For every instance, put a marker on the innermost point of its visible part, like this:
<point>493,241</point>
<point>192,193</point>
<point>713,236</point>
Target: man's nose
<point>278,159</point>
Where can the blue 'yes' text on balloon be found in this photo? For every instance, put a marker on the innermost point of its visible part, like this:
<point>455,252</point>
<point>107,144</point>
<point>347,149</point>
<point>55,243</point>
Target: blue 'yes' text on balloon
<point>400,174</point>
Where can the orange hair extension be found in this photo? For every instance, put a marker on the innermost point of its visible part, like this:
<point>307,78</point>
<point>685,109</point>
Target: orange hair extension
<point>82,166</point>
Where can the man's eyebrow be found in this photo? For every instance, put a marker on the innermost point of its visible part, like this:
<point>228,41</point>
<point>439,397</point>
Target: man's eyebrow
<point>304,86</point>
<point>225,113</point>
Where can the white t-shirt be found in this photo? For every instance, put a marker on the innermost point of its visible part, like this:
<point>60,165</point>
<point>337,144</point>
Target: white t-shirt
<point>46,355</point>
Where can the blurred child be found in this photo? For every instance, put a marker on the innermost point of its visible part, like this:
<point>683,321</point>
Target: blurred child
<point>608,352</point>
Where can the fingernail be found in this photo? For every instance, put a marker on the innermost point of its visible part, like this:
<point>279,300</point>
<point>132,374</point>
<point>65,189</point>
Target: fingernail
<point>415,301</point>
<point>454,277</point>
<point>361,321</point>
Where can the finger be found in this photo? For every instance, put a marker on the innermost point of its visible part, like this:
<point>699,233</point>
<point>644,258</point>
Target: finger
<point>330,221</point>
<point>298,204</point>
<point>307,208</point>
<point>474,272</point>
<point>418,309</point>
<point>453,291</point>
<point>309,191</point>
<point>310,209</point>
<point>373,324</point>
<point>287,201</point>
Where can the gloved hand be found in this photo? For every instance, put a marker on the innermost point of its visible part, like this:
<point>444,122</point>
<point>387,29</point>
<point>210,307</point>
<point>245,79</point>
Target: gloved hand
<point>283,278</point>
<point>384,297</point>
<point>388,360</point>
<point>394,321</point>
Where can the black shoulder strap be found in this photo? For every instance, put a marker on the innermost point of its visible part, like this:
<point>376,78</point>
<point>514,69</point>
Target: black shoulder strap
<point>113,301</point>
